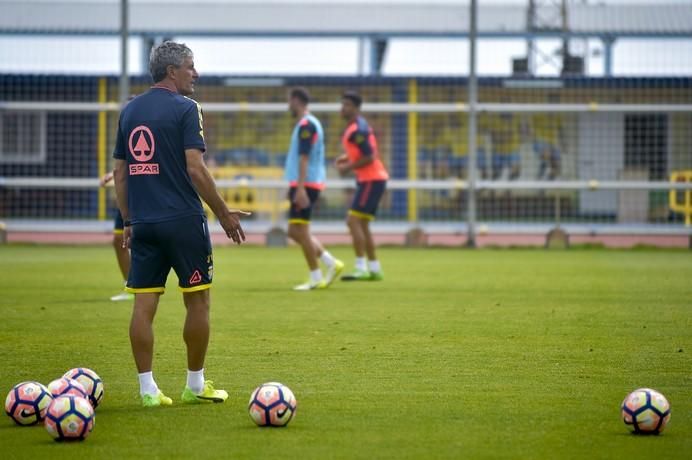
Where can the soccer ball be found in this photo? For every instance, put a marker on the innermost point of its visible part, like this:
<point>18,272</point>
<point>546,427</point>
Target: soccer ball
<point>65,386</point>
<point>91,382</point>
<point>70,418</point>
<point>27,403</point>
<point>646,410</point>
<point>272,404</point>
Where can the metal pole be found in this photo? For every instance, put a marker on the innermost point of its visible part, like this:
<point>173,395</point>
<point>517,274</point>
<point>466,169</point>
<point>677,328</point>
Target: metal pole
<point>147,45</point>
<point>473,96</point>
<point>608,55</point>
<point>124,91</point>
<point>565,40</point>
<point>530,43</point>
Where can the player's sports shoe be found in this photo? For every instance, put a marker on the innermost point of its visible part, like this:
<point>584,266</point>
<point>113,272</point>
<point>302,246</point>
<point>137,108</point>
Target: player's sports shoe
<point>208,395</point>
<point>311,285</point>
<point>357,275</point>
<point>376,276</point>
<point>334,271</point>
<point>159,399</point>
<point>123,296</point>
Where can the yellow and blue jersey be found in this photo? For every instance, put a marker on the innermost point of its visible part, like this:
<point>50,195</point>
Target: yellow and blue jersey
<point>546,128</point>
<point>154,131</point>
<point>504,130</point>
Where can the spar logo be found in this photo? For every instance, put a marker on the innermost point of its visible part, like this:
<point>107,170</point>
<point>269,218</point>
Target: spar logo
<point>142,147</point>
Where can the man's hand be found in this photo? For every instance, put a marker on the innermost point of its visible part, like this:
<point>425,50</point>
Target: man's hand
<point>301,198</point>
<point>342,164</point>
<point>230,222</point>
<point>106,178</point>
<point>341,159</point>
<point>127,237</point>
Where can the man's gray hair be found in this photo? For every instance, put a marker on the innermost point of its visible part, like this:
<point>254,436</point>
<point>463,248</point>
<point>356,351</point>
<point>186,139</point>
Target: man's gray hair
<point>167,53</point>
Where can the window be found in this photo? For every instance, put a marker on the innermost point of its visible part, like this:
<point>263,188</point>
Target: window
<point>22,137</point>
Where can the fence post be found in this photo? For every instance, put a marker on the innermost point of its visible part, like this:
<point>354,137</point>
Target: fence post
<point>473,96</point>
<point>101,146</point>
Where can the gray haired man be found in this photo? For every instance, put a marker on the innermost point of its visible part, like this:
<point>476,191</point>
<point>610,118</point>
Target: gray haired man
<point>159,178</point>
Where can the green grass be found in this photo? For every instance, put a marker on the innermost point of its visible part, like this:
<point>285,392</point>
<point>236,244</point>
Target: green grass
<point>457,354</point>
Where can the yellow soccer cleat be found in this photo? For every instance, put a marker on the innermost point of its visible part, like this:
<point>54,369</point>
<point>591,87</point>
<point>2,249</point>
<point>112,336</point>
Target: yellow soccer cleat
<point>311,285</point>
<point>159,399</point>
<point>334,271</point>
<point>208,395</point>
<point>357,275</point>
<point>376,276</point>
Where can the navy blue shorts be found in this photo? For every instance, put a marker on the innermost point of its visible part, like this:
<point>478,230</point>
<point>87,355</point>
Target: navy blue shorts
<point>505,160</point>
<point>182,244</point>
<point>463,161</point>
<point>367,198</point>
<point>542,148</point>
<point>118,224</point>
<point>301,216</point>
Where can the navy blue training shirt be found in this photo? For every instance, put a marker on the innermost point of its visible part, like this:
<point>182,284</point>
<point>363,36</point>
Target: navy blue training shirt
<point>154,130</point>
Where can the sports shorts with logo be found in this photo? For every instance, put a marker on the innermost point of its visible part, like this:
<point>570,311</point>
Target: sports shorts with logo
<point>182,244</point>
<point>302,216</point>
<point>367,198</point>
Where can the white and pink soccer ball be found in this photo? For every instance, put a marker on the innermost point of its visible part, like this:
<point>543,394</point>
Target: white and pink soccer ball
<point>27,402</point>
<point>66,386</point>
<point>272,404</point>
<point>90,380</point>
<point>647,411</point>
<point>70,418</point>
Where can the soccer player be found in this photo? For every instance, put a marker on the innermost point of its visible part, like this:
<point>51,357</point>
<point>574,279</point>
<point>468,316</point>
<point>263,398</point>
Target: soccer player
<point>159,178</point>
<point>505,134</point>
<point>122,254</point>
<point>548,138</point>
<point>363,159</point>
<point>305,170</point>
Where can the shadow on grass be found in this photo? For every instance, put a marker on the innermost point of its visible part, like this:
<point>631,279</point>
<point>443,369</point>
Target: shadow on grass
<point>632,434</point>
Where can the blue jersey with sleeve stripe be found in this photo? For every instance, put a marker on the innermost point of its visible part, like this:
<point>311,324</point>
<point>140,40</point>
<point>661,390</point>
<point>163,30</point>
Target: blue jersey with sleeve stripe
<point>307,139</point>
<point>154,131</point>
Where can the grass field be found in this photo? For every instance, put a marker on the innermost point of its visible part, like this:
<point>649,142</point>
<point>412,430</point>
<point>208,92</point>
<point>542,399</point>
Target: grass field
<point>457,354</point>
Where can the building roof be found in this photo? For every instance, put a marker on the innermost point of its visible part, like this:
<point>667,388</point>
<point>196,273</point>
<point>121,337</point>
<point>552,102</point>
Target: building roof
<point>271,18</point>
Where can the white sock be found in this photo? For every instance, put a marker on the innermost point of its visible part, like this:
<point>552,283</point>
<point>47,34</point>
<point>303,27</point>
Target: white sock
<point>374,266</point>
<point>147,386</point>
<point>327,258</point>
<point>316,275</point>
<point>361,264</point>
<point>195,380</point>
